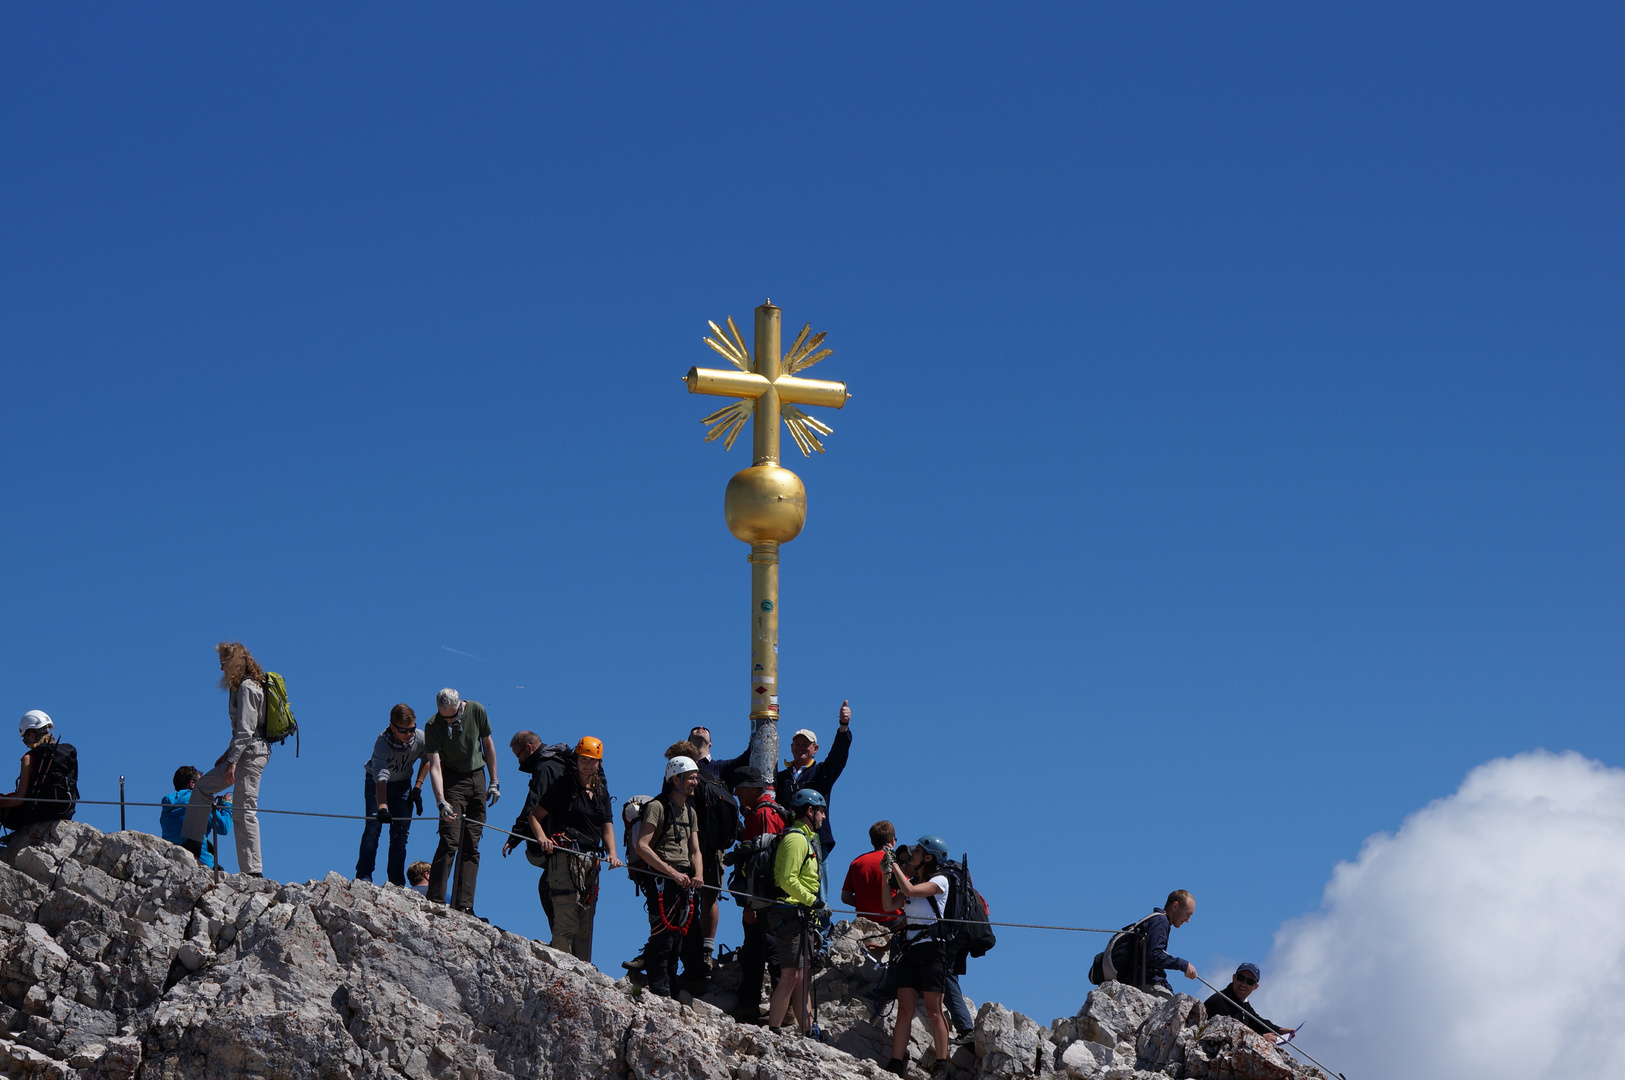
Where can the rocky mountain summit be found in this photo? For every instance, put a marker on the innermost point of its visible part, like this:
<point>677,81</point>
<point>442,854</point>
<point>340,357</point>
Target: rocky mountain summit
<point>122,959</point>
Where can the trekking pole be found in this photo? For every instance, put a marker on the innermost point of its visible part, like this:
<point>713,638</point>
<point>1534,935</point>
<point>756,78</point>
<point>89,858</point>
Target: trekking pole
<point>121,825</point>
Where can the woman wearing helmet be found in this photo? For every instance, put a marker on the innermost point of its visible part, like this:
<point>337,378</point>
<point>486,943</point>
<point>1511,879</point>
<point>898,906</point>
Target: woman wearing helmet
<point>570,816</point>
<point>668,848</point>
<point>48,782</point>
<point>922,896</point>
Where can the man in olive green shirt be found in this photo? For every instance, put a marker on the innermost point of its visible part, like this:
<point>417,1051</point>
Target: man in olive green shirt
<point>457,743</point>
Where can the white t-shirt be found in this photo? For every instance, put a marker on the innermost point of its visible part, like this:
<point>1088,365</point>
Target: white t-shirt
<point>918,908</point>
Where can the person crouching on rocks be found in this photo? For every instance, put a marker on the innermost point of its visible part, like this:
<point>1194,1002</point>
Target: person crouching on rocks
<point>48,782</point>
<point>922,970</point>
<point>669,848</point>
<point>796,867</point>
<point>172,817</point>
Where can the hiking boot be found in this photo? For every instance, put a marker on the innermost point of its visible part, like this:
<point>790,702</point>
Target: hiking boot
<point>898,1066</point>
<point>634,964</point>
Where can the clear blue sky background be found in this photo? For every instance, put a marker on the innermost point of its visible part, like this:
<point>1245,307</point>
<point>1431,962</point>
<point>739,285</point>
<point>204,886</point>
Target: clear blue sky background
<point>1234,461</point>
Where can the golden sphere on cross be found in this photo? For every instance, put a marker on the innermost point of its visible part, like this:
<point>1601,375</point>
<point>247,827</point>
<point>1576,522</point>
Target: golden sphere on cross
<point>765,502</point>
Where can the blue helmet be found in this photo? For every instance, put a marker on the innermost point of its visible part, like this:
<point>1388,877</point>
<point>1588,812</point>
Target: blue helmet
<point>806,797</point>
<point>937,846</point>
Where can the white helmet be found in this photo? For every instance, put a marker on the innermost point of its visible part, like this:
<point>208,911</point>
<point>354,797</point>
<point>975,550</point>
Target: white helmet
<point>679,765</point>
<point>33,720</point>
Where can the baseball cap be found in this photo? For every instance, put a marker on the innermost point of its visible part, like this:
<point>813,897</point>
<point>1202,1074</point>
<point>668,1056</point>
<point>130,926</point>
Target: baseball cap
<point>1248,969</point>
<point>806,733</point>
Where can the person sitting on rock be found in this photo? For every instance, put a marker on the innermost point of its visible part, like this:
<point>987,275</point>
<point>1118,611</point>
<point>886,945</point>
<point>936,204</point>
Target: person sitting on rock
<point>48,783</point>
<point>922,969</point>
<point>173,815</point>
<point>795,872</point>
<point>1178,910</point>
<point>668,846</point>
<point>1232,1001</point>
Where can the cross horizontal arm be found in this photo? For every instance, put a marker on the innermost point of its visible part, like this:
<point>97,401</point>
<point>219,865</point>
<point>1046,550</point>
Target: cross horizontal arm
<point>739,384</point>
<point>811,391</point>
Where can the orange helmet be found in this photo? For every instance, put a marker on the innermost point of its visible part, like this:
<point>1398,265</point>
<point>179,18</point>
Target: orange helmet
<point>590,747</point>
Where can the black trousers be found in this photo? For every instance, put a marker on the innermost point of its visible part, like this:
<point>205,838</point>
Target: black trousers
<point>673,915</point>
<point>459,846</point>
<point>759,952</point>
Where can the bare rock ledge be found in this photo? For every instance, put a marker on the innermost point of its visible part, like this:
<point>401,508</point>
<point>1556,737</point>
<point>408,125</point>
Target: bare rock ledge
<point>121,959</point>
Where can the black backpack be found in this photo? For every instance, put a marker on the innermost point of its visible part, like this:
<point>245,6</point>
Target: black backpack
<point>1123,958</point>
<point>966,928</point>
<point>718,812</point>
<point>55,784</point>
<point>751,879</point>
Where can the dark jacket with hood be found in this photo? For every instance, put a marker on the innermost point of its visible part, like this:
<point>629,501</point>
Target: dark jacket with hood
<point>555,786</point>
<point>821,777</point>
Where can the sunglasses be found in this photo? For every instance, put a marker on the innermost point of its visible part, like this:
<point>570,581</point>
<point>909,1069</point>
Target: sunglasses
<point>1246,980</point>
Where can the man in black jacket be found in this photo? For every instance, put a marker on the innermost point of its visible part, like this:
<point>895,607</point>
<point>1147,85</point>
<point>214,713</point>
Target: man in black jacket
<point>1232,1001</point>
<point>803,770</point>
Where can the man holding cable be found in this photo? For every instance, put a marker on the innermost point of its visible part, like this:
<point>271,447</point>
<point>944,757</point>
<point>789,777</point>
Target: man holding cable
<point>390,794</point>
<point>458,742</point>
<point>796,873</point>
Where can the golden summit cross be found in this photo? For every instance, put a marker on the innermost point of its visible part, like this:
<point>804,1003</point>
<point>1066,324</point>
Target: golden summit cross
<point>765,505</point>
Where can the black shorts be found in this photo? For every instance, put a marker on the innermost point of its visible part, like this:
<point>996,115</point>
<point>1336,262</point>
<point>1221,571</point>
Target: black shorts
<point>713,873</point>
<point>923,968</point>
<point>791,926</point>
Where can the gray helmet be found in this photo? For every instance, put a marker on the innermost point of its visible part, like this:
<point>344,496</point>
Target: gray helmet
<point>807,797</point>
<point>937,846</point>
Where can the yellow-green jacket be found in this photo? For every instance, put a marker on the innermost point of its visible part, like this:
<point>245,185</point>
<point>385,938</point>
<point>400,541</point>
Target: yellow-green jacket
<point>795,866</point>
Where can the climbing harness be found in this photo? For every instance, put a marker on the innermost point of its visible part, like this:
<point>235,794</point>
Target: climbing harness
<point>583,869</point>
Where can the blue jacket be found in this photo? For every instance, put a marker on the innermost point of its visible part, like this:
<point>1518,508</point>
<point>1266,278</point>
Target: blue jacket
<point>173,816</point>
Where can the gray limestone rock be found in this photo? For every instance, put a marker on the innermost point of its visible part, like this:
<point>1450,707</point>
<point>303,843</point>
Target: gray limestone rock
<point>1159,1041</point>
<point>1114,1011</point>
<point>1226,1049</point>
<point>123,959</point>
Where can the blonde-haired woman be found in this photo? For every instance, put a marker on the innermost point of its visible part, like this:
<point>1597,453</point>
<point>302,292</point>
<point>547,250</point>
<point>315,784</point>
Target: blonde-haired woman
<point>241,766</point>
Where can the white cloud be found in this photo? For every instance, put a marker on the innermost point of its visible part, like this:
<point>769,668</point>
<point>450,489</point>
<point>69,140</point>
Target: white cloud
<point>1484,940</point>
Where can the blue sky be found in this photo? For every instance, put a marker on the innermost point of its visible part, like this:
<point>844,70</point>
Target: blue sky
<point>1233,463</point>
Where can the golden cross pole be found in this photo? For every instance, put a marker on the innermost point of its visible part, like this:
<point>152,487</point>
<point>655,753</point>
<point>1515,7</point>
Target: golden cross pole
<point>765,505</point>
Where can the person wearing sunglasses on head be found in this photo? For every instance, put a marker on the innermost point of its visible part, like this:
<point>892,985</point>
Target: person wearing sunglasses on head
<point>390,794</point>
<point>1232,1001</point>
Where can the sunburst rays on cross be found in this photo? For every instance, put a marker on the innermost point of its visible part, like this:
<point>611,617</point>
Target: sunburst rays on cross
<point>727,422</point>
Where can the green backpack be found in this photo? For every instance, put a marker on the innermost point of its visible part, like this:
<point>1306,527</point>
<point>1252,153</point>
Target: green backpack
<point>279,722</point>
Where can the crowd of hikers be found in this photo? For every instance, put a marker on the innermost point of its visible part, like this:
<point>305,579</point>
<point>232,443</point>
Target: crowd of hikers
<point>717,826</point>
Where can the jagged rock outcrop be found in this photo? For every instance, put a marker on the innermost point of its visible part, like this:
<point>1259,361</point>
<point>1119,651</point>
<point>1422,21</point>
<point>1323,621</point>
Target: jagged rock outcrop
<point>121,959</point>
